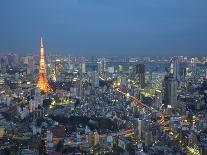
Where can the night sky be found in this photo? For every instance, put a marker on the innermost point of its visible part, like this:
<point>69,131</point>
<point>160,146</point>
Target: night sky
<point>105,27</point>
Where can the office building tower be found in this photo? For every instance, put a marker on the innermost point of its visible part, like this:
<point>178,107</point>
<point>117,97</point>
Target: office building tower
<point>101,66</point>
<point>123,82</point>
<point>148,139</point>
<point>176,69</point>
<point>94,79</point>
<point>58,67</point>
<point>3,64</point>
<point>83,68</point>
<point>158,99</point>
<point>170,91</point>
<point>137,128</point>
<point>206,74</point>
<point>182,72</point>
<point>140,71</point>
<point>30,65</point>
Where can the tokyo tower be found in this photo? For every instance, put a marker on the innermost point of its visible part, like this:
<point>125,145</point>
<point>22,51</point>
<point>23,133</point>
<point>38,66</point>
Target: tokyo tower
<point>42,82</point>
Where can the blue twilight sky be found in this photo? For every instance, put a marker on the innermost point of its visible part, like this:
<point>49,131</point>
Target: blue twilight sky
<point>105,27</point>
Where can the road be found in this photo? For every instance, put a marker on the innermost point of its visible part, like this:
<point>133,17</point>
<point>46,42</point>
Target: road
<point>140,103</point>
<point>162,121</point>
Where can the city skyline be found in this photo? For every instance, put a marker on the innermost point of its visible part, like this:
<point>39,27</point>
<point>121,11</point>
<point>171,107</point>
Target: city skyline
<point>143,28</point>
<point>112,77</point>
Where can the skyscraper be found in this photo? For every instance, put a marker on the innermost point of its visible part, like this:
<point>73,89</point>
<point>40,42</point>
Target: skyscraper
<point>101,66</point>
<point>83,68</point>
<point>170,91</point>
<point>42,83</point>
<point>30,65</point>
<point>175,68</point>
<point>137,128</point>
<point>158,99</point>
<point>140,71</point>
<point>206,75</point>
<point>94,79</point>
<point>58,67</point>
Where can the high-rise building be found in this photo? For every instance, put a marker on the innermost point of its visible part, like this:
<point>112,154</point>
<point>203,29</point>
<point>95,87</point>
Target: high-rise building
<point>121,68</point>
<point>148,139</point>
<point>182,72</point>
<point>206,75</point>
<point>13,59</point>
<point>123,82</point>
<point>83,68</point>
<point>140,71</point>
<point>58,67</point>
<point>171,68</point>
<point>42,83</point>
<point>70,65</point>
<point>170,91</point>
<point>158,99</point>
<point>3,64</point>
<point>137,128</point>
<point>175,62</point>
<point>94,79</point>
<point>30,65</point>
<point>101,66</point>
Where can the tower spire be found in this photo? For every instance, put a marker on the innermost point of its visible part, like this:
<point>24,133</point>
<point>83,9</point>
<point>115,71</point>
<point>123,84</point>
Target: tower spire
<point>42,83</point>
<point>41,43</point>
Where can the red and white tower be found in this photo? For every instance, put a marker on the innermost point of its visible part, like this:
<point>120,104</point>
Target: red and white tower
<point>42,82</point>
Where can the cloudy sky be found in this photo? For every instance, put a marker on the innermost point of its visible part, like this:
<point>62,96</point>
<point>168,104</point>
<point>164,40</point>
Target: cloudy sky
<point>105,27</point>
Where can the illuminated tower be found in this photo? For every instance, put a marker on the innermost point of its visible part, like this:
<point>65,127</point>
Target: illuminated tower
<point>42,83</point>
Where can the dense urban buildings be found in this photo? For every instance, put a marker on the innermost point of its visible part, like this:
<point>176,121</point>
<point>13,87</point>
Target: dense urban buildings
<point>106,105</point>
<point>113,77</point>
